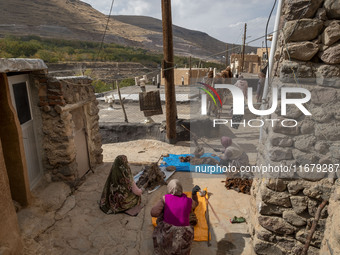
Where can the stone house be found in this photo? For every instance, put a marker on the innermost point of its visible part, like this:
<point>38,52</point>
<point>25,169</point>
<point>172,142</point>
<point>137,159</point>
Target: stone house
<point>49,129</point>
<point>187,76</point>
<point>252,63</point>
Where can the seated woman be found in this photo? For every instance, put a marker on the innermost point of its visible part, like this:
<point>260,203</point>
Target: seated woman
<point>120,193</point>
<point>232,154</point>
<point>174,234</point>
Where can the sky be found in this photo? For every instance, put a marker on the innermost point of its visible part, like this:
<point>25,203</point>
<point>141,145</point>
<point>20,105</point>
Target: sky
<point>221,19</point>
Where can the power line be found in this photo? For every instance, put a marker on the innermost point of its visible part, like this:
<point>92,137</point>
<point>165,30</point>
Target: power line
<point>237,47</point>
<point>266,34</point>
<point>106,27</point>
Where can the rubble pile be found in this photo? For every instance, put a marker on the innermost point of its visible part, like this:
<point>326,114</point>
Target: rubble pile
<point>239,184</point>
<point>152,177</point>
<point>185,159</point>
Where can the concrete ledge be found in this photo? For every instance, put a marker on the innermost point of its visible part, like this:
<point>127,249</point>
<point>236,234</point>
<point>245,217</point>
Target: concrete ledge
<point>124,132</point>
<point>21,64</point>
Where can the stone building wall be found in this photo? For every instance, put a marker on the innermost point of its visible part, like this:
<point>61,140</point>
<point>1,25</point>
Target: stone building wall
<point>57,99</point>
<point>284,207</point>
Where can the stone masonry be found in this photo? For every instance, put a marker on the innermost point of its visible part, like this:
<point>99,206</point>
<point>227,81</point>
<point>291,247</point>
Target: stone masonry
<point>284,206</point>
<point>58,98</point>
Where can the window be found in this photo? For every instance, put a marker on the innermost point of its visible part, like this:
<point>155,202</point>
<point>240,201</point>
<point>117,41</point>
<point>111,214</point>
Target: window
<point>22,102</point>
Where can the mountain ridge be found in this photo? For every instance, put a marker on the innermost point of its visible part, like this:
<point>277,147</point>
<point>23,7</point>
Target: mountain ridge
<point>76,20</point>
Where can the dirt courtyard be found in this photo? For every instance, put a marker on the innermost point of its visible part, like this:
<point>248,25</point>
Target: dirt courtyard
<point>65,221</point>
<point>79,227</point>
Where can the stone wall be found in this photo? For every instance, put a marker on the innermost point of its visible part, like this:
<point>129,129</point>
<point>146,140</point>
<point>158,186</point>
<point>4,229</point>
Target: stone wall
<point>284,207</point>
<point>57,99</point>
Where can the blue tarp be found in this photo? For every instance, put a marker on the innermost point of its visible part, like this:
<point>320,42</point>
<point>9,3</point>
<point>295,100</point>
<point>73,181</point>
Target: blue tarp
<point>173,160</point>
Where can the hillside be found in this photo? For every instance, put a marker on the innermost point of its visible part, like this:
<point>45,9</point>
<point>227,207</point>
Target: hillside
<point>199,39</point>
<point>76,20</point>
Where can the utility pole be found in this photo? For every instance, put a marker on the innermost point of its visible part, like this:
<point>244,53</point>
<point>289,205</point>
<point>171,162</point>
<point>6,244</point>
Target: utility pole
<point>168,67</point>
<point>226,56</point>
<point>244,45</point>
<point>121,101</point>
<point>189,70</point>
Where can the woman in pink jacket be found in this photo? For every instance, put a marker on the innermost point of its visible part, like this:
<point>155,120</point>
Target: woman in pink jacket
<point>174,234</point>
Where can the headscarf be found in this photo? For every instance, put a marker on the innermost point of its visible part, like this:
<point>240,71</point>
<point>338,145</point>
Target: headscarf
<point>117,195</point>
<point>226,141</point>
<point>175,188</point>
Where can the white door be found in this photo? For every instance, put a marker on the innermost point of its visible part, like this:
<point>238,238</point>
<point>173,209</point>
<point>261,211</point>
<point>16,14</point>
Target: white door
<point>82,156</point>
<point>20,93</point>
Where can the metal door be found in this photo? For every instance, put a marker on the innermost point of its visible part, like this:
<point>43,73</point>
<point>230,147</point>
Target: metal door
<point>21,100</point>
<point>82,156</point>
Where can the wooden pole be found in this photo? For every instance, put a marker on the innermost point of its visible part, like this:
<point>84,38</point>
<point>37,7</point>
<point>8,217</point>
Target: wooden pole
<point>121,102</point>
<point>226,56</point>
<point>314,224</point>
<point>244,46</point>
<point>189,70</point>
<point>168,64</point>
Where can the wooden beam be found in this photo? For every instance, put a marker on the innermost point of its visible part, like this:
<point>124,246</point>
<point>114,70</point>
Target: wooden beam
<point>170,94</point>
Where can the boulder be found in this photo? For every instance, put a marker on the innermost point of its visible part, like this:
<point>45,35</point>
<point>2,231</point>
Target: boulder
<point>278,154</point>
<point>335,150</point>
<point>290,70</point>
<point>331,34</point>
<point>332,8</point>
<point>327,132</point>
<point>301,9</point>
<point>327,160</point>
<point>278,128</point>
<point>264,234</point>
<point>304,158</point>
<point>292,112</point>
<point>311,250</point>
<point>276,225</point>
<point>294,219</point>
<point>302,30</point>
<point>307,127</point>
<point>304,142</point>
<point>299,203</point>
<point>328,75</point>
<point>303,51</point>
<point>294,187</point>
<point>322,147</point>
<point>281,140</point>
<point>319,190</point>
<point>316,239</point>
<point>285,243</point>
<point>322,115</point>
<point>275,198</point>
<point>313,207</point>
<point>276,184</point>
<point>264,248</point>
<point>331,55</point>
<point>323,96</point>
<point>321,14</point>
<point>268,209</point>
